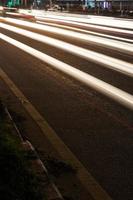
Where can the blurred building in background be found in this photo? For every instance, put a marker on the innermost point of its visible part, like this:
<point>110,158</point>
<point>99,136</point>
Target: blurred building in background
<point>103,7</point>
<point>97,6</point>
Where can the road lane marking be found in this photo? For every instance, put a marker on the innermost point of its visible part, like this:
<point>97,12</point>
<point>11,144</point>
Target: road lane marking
<point>113,44</point>
<point>110,91</point>
<point>92,186</point>
<point>98,58</point>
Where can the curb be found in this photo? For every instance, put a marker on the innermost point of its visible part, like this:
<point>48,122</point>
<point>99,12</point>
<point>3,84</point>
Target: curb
<point>50,189</point>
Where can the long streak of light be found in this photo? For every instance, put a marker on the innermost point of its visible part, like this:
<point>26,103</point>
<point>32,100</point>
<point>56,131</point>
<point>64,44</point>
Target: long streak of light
<point>111,29</point>
<point>85,19</point>
<point>86,31</point>
<point>112,63</point>
<point>13,13</point>
<point>114,93</point>
<point>120,46</point>
<point>119,23</point>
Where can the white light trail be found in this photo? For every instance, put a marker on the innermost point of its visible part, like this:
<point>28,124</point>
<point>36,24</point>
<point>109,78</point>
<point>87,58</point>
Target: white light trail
<point>86,31</point>
<point>113,44</point>
<point>104,21</point>
<point>130,32</point>
<point>83,19</point>
<point>109,62</point>
<point>13,13</point>
<point>114,93</point>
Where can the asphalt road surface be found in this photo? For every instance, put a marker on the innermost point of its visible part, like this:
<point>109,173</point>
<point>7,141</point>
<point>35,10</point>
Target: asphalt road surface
<point>94,125</point>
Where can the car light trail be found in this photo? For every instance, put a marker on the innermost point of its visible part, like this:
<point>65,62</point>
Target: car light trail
<point>114,93</point>
<point>120,46</point>
<point>109,62</point>
<point>86,31</point>
<point>114,23</point>
<point>94,20</point>
<point>89,25</point>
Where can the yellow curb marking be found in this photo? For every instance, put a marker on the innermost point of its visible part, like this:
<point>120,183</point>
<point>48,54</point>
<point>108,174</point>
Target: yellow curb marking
<point>92,186</point>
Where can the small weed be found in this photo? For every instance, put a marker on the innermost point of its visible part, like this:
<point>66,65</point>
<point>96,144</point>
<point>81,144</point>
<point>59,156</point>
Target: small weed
<point>2,111</point>
<point>58,167</point>
<point>17,181</point>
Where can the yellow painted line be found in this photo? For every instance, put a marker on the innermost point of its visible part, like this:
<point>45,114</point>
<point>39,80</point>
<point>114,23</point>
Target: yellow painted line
<point>95,190</point>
